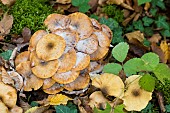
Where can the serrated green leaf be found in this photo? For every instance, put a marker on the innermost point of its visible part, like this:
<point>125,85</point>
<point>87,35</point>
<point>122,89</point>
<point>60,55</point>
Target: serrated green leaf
<point>107,110</point>
<point>119,108</point>
<point>6,55</point>
<point>138,25</point>
<point>119,52</point>
<point>84,8</point>
<point>133,66</point>
<point>165,33</point>
<point>110,22</point>
<point>161,22</point>
<point>147,21</point>
<point>167,108</point>
<point>113,68</point>
<point>162,71</point>
<point>151,60</point>
<point>147,82</point>
<point>64,109</point>
<point>140,2</point>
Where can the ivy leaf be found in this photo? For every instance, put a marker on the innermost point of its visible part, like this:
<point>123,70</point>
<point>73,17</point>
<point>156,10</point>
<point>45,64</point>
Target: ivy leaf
<point>148,108</point>
<point>65,109</point>
<point>147,82</point>
<point>110,22</point>
<point>148,31</point>
<point>146,42</point>
<point>6,55</point>
<point>165,33</point>
<point>167,108</point>
<point>147,21</point>
<point>117,35</point>
<point>94,16</point>
<point>82,4</point>
<point>119,108</point>
<point>138,25</point>
<point>153,11</point>
<point>161,22</point>
<point>133,66</point>
<point>107,110</point>
<point>84,8</point>
<point>162,71</point>
<point>113,68</point>
<point>120,51</point>
<point>151,60</point>
<point>140,2</point>
<point>158,3</point>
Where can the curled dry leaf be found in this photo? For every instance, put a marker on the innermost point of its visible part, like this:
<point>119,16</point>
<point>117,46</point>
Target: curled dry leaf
<point>135,35</point>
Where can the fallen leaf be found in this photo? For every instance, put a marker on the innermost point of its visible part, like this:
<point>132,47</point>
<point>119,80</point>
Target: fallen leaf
<point>36,109</point>
<point>135,35</point>
<point>16,109</point>
<point>8,2</point>
<point>117,2</point>
<point>6,78</point>
<point>165,49</point>
<point>26,33</point>
<point>147,6</point>
<point>155,38</point>
<point>6,24</point>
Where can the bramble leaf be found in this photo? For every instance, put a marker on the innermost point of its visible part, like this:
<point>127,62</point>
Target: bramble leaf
<point>147,82</point>
<point>119,108</point>
<point>120,51</point>
<point>113,68</point>
<point>6,55</point>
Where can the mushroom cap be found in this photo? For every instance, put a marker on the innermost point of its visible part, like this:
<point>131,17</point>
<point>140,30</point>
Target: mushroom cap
<point>81,82</point>
<point>81,23</point>
<point>50,47</point>
<point>71,38</point>
<point>35,38</point>
<point>46,69</point>
<point>32,82</point>
<point>67,61</point>
<point>55,88</point>
<point>96,24</point>
<point>8,95</point>
<point>66,77</point>
<point>3,107</point>
<point>95,67</point>
<point>16,109</point>
<point>63,1</point>
<point>22,57</point>
<point>24,68</point>
<point>88,45</point>
<point>107,31</point>
<point>56,21</point>
<point>110,84</point>
<point>103,39</point>
<point>34,60</point>
<point>82,61</point>
<point>100,53</point>
<point>135,98</point>
<point>48,82</point>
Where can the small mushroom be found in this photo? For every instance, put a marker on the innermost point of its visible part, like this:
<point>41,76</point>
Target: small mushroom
<point>24,56</point>
<point>56,21</point>
<point>50,47</point>
<point>109,84</point>
<point>81,23</point>
<point>66,77</point>
<point>35,38</point>
<point>100,53</point>
<point>3,107</point>
<point>48,82</point>
<point>135,98</point>
<point>81,82</point>
<point>88,45</point>
<point>56,88</point>
<point>82,61</point>
<point>96,24</point>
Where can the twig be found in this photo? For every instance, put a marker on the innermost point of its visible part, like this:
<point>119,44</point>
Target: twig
<point>160,101</point>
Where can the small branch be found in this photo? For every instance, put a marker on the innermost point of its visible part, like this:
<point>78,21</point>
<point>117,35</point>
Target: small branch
<point>160,101</point>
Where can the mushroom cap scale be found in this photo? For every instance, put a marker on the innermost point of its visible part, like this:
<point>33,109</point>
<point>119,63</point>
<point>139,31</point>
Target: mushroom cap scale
<point>50,47</point>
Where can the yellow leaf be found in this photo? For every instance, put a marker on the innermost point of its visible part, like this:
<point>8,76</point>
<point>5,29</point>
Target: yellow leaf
<point>58,99</point>
<point>165,49</point>
<point>135,35</point>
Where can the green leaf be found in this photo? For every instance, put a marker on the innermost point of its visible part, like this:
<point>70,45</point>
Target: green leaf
<point>161,22</point>
<point>153,11</point>
<point>33,104</point>
<point>138,25</point>
<point>162,71</point>
<point>167,108</point>
<point>6,55</point>
<point>151,60</point>
<point>146,42</point>
<point>133,66</point>
<point>94,16</point>
<point>147,21</point>
<point>113,68</point>
<point>158,3</point>
<point>120,51</point>
<point>84,8</point>
<point>110,22</point>
<point>107,110</point>
<point>165,33</point>
<point>147,82</point>
<point>82,4</point>
<point>117,35</point>
<point>148,31</point>
<point>140,2</point>
<point>65,109</point>
<point>75,2</point>
<point>148,108</point>
<point>119,108</point>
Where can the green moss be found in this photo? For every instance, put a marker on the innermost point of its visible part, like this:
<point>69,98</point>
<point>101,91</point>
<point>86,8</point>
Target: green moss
<point>29,13</point>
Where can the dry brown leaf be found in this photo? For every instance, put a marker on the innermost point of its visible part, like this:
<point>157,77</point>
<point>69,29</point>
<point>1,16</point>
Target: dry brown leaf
<point>135,35</point>
<point>6,24</point>
<point>165,49</point>
<point>6,78</point>
<point>26,33</point>
<point>155,38</point>
<point>147,6</point>
<point>36,109</point>
<point>8,2</point>
<point>117,2</point>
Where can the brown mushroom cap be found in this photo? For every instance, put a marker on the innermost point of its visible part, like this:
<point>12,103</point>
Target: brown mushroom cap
<point>67,61</point>
<point>48,82</point>
<point>100,53</point>
<point>88,45</point>
<point>56,21</point>
<point>45,69</point>
<point>3,107</point>
<point>103,39</point>
<point>66,77</point>
<point>50,47</point>
<point>107,31</point>
<point>24,68</point>
<point>81,23</point>
<point>22,57</point>
<point>71,38</point>
<point>8,95</point>
<point>82,61</point>
<point>35,38</point>
<point>34,60</point>
<point>81,82</point>
<point>53,89</point>
<point>96,24</point>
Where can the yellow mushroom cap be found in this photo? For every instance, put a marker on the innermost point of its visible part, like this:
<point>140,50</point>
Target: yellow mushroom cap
<point>100,53</point>
<point>56,88</point>
<point>107,31</point>
<point>66,77</point>
<point>24,68</point>
<point>22,57</point>
<point>50,47</point>
<point>3,107</point>
<point>110,84</point>
<point>96,24</point>
<point>88,45</point>
<point>56,21</point>
<point>35,38</point>
<point>135,98</point>
<point>34,60</point>
<point>81,23</point>
<point>81,82</point>
<point>48,82</point>
<point>45,69</point>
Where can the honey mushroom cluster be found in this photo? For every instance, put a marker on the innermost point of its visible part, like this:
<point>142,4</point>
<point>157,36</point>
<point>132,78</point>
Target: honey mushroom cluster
<point>63,57</point>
